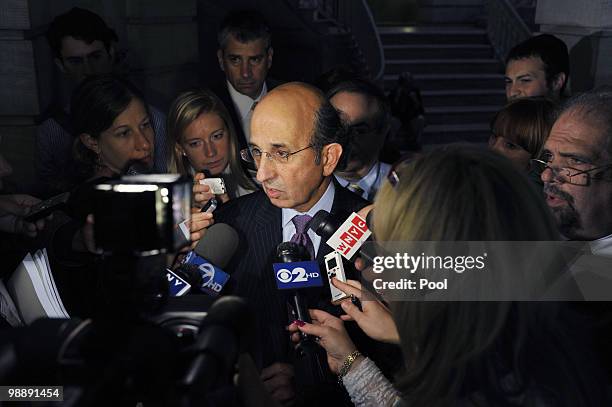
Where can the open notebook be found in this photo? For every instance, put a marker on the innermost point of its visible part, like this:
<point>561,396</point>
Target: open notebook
<point>33,289</point>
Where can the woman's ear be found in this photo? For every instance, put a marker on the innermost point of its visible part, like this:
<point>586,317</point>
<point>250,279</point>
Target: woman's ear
<point>559,81</point>
<point>179,150</point>
<point>90,142</point>
<point>492,140</point>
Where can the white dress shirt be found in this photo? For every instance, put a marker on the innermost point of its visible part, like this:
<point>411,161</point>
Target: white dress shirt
<point>244,106</point>
<point>371,182</point>
<point>602,246</point>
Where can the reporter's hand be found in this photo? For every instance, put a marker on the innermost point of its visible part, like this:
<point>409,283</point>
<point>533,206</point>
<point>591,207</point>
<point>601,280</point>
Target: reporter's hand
<point>374,319</point>
<point>83,240</point>
<point>12,210</point>
<point>332,336</point>
<point>17,204</point>
<point>363,212</point>
<point>278,382</point>
<point>21,227</point>
<point>200,221</point>
<point>201,193</point>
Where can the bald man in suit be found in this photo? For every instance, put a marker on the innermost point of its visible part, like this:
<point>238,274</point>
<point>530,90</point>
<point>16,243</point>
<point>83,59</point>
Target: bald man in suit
<point>297,141</point>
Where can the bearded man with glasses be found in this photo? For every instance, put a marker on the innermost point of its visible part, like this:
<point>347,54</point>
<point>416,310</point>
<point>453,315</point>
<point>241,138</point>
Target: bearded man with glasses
<point>297,142</point>
<point>576,168</point>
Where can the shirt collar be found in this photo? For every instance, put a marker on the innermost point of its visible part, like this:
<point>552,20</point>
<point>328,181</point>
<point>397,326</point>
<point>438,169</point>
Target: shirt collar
<point>325,202</point>
<point>243,102</point>
<point>367,182</point>
<point>602,246</point>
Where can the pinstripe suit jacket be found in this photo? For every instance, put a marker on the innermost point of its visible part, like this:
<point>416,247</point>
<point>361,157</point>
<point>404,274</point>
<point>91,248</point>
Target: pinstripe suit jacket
<point>258,224</point>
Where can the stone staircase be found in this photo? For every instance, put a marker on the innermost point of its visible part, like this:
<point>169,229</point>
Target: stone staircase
<point>339,37</point>
<point>453,64</point>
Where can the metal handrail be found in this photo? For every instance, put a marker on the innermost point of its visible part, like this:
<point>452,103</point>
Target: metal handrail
<point>370,41</point>
<point>505,27</point>
<point>355,17</point>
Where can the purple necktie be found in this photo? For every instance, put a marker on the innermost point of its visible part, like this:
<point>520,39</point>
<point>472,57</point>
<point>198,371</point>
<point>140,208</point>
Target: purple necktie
<point>301,235</point>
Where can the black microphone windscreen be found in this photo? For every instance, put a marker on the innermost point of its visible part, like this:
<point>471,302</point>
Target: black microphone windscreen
<point>221,338</point>
<point>369,219</point>
<point>317,223</point>
<point>325,224</point>
<point>218,244</point>
<point>230,312</point>
<point>136,167</point>
<point>287,252</point>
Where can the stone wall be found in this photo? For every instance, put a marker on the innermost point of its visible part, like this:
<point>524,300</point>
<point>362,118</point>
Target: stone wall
<point>586,28</point>
<point>157,48</point>
<point>164,47</point>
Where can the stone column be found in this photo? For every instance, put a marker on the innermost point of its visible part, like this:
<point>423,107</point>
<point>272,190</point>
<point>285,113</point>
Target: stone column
<point>162,38</point>
<point>19,99</point>
<point>586,28</point>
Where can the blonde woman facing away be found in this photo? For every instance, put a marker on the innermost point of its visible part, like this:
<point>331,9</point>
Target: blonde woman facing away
<point>462,353</point>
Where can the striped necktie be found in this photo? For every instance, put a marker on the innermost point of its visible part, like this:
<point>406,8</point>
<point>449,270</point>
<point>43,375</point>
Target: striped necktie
<point>355,188</point>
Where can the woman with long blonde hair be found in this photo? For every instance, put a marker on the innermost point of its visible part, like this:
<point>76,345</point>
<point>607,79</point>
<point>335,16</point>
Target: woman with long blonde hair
<point>462,353</point>
<point>202,138</point>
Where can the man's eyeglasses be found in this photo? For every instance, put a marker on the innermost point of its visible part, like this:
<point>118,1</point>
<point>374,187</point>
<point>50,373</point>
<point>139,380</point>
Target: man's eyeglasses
<point>567,174</point>
<point>253,155</point>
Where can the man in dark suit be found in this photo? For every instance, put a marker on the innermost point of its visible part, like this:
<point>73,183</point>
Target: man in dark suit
<point>245,56</point>
<point>296,143</point>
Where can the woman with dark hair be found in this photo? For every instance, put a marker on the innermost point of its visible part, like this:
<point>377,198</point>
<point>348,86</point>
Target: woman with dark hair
<point>519,130</point>
<point>202,137</point>
<point>113,134</point>
<point>112,127</point>
<point>465,353</point>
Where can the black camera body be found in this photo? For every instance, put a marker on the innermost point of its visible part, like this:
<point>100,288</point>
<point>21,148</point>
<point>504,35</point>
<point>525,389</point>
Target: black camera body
<point>142,214</point>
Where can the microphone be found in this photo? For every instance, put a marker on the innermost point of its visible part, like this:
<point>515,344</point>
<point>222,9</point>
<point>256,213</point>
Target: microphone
<point>177,285</point>
<point>345,237</point>
<point>204,265</point>
<point>136,167</point>
<point>212,203</point>
<point>222,337</point>
<point>295,272</point>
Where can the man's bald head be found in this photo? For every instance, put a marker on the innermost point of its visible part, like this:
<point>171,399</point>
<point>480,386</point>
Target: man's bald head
<point>294,103</point>
<point>297,141</point>
<point>304,108</point>
<point>580,197</point>
<point>299,93</point>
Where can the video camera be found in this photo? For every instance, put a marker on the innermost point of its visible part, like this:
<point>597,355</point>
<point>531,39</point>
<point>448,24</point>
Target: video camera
<point>142,214</point>
<point>141,346</point>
